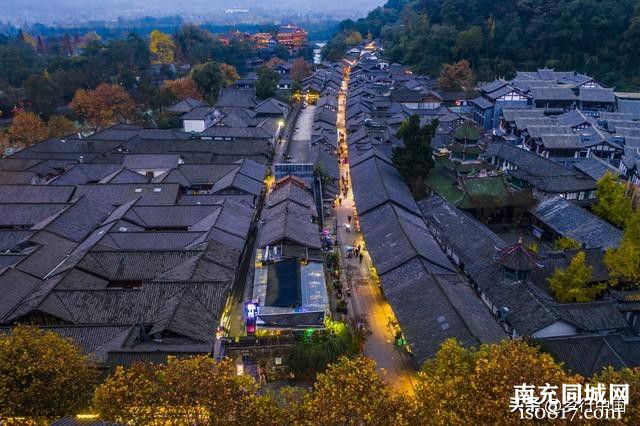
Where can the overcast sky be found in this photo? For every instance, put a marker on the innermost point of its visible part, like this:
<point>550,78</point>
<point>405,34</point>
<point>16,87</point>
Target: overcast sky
<point>48,11</point>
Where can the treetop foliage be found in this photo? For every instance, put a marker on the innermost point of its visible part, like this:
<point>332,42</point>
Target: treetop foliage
<point>498,37</point>
<point>42,375</point>
<point>414,160</point>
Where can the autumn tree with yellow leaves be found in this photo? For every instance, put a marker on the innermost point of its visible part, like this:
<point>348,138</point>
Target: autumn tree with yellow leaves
<point>623,262</point>
<point>474,386</point>
<point>162,47</point>
<point>351,392</point>
<point>630,376</point>
<point>106,105</point>
<point>26,129</point>
<point>42,375</point>
<point>229,74</point>
<point>612,201</point>
<point>194,391</point>
<point>573,284</point>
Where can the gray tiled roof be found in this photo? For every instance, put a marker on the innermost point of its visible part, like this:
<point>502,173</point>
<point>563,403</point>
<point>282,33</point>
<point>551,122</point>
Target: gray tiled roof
<point>543,173</point>
<point>571,220</point>
<point>35,194</point>
<point>588,355</point>
<point>378,173</point>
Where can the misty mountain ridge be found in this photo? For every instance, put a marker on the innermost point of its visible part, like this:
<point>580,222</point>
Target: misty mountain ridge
<point>68,11</point>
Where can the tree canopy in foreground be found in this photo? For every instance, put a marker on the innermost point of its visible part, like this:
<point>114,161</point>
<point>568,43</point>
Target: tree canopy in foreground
<point>42,375</point>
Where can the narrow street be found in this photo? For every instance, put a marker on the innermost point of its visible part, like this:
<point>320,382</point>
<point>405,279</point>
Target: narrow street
<point>300,144</point>
<point>367,303</point>
<point>301,140</point>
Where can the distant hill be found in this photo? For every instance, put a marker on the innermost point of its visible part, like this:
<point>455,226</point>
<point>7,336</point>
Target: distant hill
<point>600,38</point>
<point>53,11</point>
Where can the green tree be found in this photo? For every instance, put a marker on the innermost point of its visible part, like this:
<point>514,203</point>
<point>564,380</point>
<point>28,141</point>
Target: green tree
<point>566,243</point>
<point>43,94</point>
<point>194,45</point>
<point>266,84</point>
<point>414,160</point>
<point>573,284</point>
<point>42,375</point>
<point>209,79</point>
<point>59,126</point>
<point>623,262</point>
<point>612,204</point>
<point>469,43</point>
<point>312,354</point>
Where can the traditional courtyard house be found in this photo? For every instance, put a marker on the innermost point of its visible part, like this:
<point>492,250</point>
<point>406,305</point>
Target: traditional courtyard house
<point>284,83</point>
<point>511,279</point>
<point>545,176</point>
<point>185,106</point>
<point>494,97</point>
<point>573,134</point>
<point>555,217</point>
<point>247,82</point>
<point>416,99</point>
<point>199,119</point>
<point>545,89</point>
<point>289,285</point>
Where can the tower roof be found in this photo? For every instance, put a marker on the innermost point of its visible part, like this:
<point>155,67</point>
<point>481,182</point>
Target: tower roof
<point>517,257</point>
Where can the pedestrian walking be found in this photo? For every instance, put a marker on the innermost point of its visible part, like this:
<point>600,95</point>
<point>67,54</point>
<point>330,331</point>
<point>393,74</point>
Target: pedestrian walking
<point>349,218</point>
<point>361,256</point>
<point>340,201</point>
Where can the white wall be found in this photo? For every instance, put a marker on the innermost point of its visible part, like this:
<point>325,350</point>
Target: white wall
<point>197,126</point>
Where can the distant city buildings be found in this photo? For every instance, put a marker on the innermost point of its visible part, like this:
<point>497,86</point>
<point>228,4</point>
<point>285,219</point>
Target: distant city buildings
<point>290,36</point>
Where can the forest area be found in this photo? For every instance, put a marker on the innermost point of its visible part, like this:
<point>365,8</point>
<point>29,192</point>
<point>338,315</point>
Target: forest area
<point>498,37</point>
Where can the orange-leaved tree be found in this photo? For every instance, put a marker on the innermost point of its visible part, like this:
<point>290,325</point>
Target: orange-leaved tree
<point>183,88</point>
<point>26,129</point>
<point>104,106</point>
<point>300,69</point>
<point>457,76</point>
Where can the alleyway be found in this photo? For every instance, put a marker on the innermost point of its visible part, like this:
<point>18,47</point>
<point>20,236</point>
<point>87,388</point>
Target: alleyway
<point>366,301</point>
